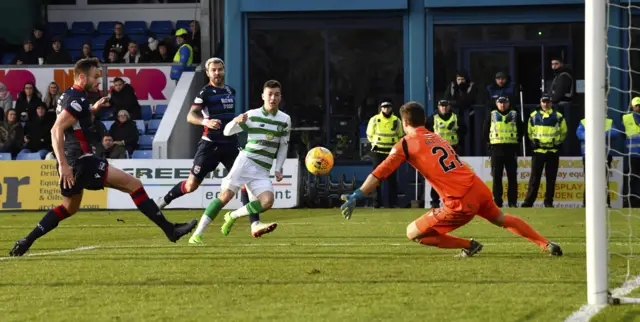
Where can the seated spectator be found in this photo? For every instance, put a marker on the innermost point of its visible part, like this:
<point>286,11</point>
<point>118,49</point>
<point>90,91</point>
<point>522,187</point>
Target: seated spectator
<point>37,133</point>
<point>161,55</point>
<point>133,54</point>
<point>124,132</point>
<point>118,42</point>
<point>27,56</point>
<point>51,100</point>
<point>109,150</point>
<point>27,102</point>
<point>6,101</point>
<point>123,97</point>
<point>502,87</point>
<point>113,58</point>
<point>194,40</point>
<point>97,131</point>
<point>40,42</point>
<point>86,52</point>
<point>461,93</point>
<point>11,134</point>
<point>58,55</point>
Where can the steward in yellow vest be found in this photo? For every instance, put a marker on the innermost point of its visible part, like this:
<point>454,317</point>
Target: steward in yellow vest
<point>503,131</point>
<point>631,123</point>
<point>547,131</point>
<point>184,55</point>
<point>384,131</point>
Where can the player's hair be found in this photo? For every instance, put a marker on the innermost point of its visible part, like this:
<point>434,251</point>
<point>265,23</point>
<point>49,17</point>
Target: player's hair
<point>413,113</point>
<point>118,79</point>
<point>272,83</point>
<point>213,60</point>
<point>83,66</point>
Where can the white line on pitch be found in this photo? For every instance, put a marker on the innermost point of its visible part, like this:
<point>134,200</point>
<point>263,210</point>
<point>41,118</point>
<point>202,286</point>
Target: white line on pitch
<point>79,249</point>
<point>586,312</point>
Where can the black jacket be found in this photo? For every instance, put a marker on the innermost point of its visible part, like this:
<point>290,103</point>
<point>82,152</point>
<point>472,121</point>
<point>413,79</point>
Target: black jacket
<point>58,58</point>
<point>504,149</point>
<point>119,44</point>
<point>462,129</point>
<point>562,87</point>
<point>27,58</point>
<point>38,130</point>
<point>22,105</point>
<point>463,95</point>
<point>126,131</point>
<point>126,99</point>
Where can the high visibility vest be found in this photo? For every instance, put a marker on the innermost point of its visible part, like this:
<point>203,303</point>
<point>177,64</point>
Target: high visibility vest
<point>176,58</point>
<point>549,129</point>
<point>632,131</point>
<point>384,133</point>
<point>607,127</point>
<point>501,131</point>
<point>445,129</point>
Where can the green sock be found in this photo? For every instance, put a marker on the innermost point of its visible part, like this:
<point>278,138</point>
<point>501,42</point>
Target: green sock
<point>252,208</point>
<point>213,208</point>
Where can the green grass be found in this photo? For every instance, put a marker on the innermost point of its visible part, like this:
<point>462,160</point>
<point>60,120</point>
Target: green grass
<point>315,267</point>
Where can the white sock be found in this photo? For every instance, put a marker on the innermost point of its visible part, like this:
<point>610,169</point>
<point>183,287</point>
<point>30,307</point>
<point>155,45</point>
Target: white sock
<point>202,225</point>
<point>255,223</point>
<point>240,212</point>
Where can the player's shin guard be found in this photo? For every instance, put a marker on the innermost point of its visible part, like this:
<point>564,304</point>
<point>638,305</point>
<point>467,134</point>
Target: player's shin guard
<point>244,196</point>
<point>151,210</point>
<point>445,241</point>
<point>521,228</point>
<point>48,222</point>
<point>252,208</point>
<point>209,215</point>
<point>176,192</point>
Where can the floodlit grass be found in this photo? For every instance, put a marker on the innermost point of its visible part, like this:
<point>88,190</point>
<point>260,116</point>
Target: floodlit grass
<point>315,267</point>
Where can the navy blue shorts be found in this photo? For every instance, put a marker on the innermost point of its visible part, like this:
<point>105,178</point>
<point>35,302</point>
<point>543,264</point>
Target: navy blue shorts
<point>90,172</point>
<point>209,155</point>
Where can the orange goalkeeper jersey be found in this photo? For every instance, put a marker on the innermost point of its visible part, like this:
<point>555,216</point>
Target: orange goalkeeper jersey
<point>434,158</point>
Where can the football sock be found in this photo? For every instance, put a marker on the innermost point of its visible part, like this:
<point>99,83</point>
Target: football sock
<point>445,241</point>
<point>203,224</point>
<point>520,227</point>
<point>151,210</point>
<point>176,192</point>
<point>244,196</point>
<point>253,207</point>
<point>213,209</point>
<point>48,222</point>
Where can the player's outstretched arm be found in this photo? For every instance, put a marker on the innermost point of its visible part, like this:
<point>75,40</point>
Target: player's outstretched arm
<point>195,117</point>
<point>283,149</point>
<point>237,125</point>
<point>347,208</point>
<point>64,121</point>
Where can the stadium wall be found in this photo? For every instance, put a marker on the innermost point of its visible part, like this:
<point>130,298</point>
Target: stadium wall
<point>81,11</point>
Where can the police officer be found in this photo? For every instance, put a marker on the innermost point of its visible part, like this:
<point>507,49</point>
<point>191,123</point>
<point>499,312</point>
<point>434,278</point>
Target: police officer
<point>384,131</point>
<point>547,130</point>
<point>631,123</point>
<point>610,134</point>
<point>503,130</point>
<point>446,124</point>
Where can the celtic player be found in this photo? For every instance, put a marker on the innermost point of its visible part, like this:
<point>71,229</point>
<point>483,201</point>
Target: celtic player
<point>268,139</point>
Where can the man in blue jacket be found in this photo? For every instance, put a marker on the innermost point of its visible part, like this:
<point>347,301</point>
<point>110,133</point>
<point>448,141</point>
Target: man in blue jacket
<point>184,55</point>
<point>610,134</point>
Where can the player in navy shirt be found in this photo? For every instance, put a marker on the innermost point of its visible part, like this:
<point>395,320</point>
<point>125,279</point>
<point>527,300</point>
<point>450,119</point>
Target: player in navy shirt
<point>213,108</point>
<point>79,169</point>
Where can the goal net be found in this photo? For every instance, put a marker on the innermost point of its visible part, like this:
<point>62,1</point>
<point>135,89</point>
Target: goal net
<point>612,39</point>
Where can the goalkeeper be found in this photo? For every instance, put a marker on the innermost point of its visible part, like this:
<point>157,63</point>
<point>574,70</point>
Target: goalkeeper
<point>451,128</point>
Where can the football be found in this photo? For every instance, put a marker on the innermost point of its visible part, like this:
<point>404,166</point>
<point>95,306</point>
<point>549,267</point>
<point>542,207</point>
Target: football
<point>319,161</point>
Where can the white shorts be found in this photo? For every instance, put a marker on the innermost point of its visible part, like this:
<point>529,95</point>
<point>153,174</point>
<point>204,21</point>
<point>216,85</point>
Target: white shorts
<point>246,173</point>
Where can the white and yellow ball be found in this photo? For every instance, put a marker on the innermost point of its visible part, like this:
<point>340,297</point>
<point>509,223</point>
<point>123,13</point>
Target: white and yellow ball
<point>319,161</point>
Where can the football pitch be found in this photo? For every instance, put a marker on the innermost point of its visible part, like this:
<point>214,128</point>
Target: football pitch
<point>117,266</point>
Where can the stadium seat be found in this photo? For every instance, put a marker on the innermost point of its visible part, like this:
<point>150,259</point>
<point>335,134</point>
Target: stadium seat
<point>146,112</point>
<point>145,142</point>
<point>153,126</point>
<point>82,28</point>
<point>5,156</point>
<point>75,42</point>
<point>142,154</point>
<point>107,124</point>
<point>7,58</point>
<point>28,156</point>
<point>183,24</point>
<point>97,42</point>
<point>141,40</point>
<point>161,27</point>
<point>140,126</point>
<point>58,28</point>
<point>75,54</point>
<point>135,28</point>
<point>106,27</point>
<point>160,110</point>
<point>162,36</point>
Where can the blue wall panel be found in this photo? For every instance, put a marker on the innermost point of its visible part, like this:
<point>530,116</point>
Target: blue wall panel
<point>234,50</point>
<point>324,5</point>
<point>495,3</point>
<point>507,15</point>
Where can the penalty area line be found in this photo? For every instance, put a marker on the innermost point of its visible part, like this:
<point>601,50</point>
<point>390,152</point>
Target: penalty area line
<point>586,312</point>
<point>55,252</point>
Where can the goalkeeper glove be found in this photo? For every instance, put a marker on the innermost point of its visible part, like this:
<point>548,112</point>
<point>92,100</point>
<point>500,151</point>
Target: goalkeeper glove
<point>350,204</point>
